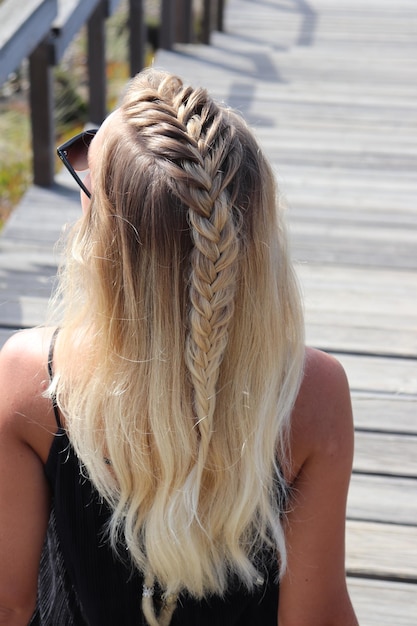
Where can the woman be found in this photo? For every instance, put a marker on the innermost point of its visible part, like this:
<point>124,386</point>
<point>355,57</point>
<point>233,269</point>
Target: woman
<point>183,453</point>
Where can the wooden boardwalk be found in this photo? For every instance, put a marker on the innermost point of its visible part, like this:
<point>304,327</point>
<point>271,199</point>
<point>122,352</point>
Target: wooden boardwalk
<point>331,89</point>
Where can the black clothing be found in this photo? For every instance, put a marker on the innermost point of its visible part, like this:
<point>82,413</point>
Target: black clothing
<point>83,583</point>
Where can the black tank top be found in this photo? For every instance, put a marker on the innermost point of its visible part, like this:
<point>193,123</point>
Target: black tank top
<point>83,583</point>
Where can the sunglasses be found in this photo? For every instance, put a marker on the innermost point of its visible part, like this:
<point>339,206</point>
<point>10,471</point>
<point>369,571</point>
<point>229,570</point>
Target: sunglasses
<point>74,155</point>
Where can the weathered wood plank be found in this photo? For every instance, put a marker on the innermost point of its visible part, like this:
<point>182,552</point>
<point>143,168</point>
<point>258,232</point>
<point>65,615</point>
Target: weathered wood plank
<point>385,413</point>
<point>383,499</point>
<point>21,31</point>
<point>394,455</point>
<point>25,312</point>
<point>354,307</point>
<point>72,15</point>
<point>28,260</point>
<point>381,550</point>
<point>43,213</point>
<point>382,603</point>
<point>378,374</point>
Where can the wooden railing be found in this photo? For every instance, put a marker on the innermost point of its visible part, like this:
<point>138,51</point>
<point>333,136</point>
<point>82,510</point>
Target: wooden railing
<point>41,31</point>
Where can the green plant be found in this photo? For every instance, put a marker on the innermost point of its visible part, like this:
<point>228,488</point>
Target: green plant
<point>15,156</point>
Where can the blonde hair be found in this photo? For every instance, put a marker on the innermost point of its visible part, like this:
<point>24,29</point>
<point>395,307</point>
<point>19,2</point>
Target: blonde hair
<point>181,345</point>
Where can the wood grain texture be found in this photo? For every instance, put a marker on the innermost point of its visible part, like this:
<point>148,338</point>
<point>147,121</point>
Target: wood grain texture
<point>381,603</point>
<point>381,498</point>
<point>386,549</point>
<point>22,30</point>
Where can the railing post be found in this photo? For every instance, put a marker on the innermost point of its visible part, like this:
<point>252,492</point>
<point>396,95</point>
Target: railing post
<point>206,22</point>
<point>220,16</point>
<point>137,36</point>
<point>168,9</point>
<point>184,21</point>
<point>41,100</point>
<point>97,64</point>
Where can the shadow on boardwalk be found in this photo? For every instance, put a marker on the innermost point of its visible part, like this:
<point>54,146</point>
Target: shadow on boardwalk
<point>330,89</point>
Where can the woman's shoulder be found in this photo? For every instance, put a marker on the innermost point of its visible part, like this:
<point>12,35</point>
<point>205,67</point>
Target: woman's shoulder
<point>322,417</point>
<point>324,379</point>
<point>24,356</point>
<point>24,378</point>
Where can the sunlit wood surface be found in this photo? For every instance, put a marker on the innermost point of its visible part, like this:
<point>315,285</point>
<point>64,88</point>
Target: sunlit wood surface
<point>331,90</point>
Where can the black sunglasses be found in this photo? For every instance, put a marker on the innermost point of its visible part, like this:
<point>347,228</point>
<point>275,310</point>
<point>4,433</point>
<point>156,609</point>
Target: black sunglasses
<point>74,155</point>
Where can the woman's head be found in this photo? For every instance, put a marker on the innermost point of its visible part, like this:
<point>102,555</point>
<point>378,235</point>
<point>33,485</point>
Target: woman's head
<point>179,294</point>
<point>169,149</point>
<point>180,189</point>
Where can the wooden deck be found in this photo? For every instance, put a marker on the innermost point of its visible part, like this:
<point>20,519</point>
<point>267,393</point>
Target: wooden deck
<point>331,89</point>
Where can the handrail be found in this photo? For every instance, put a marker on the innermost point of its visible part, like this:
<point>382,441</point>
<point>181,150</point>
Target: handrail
<point>22,30</point>
<point>41,30</point>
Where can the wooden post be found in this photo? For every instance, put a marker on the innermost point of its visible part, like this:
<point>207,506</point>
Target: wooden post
<point>206,22</point>
<point>97,64</point>
<point>220,16</point>
<point>167,27</point>
<point>137,36</point>
<point>42,115</point>
<point>184,21</point>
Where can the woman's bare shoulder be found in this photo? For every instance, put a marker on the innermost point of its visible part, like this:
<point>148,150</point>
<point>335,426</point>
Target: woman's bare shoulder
<point>324,380</point>
<point>24,356</point>
<point>322,415</point>
<point>24,378</point>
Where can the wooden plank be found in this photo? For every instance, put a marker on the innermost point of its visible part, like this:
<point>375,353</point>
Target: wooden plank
<point>32,280</point>
<point>383,499</point>
<point>43,213</point>
<point>72,15</point>
<point>385,413</point>
<point>383,603</point>
<point>384,375</point>
<point>381,550</point>
<point>28,258</point>
<point>394,455</point>
<point>24,312</point>
<point>356,245</point>
<point>21,31</point>
<point>360,336</point>
<point>354,308</point>
<point>348,193</point>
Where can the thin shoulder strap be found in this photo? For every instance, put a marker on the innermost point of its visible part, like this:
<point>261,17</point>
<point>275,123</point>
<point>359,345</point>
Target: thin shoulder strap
<point>51,375</point>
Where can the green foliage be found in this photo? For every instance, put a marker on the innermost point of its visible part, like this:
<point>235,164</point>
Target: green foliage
<point>15,158</point>
<point>70,107</point>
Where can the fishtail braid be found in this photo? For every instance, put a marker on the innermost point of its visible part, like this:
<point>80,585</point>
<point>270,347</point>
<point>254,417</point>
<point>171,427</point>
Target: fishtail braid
<point>202,156</point>
<point>214,233</point>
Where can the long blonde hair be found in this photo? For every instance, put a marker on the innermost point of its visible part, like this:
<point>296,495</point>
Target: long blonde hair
<point>181,343</point>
